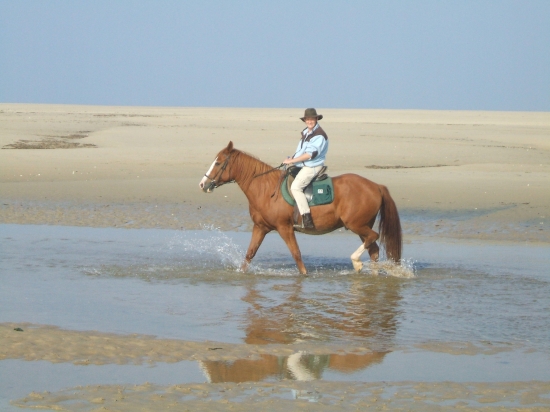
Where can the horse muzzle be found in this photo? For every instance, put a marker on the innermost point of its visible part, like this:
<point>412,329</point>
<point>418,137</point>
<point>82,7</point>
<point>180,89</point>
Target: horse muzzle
<point>207,187</point>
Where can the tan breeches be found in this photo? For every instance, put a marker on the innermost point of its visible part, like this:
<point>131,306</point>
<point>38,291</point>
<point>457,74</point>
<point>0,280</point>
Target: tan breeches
<point>303,179</point>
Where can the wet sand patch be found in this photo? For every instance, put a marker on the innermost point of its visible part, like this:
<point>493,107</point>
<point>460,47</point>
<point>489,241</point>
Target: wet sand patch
<point>47,143</point>
<point>183,215</point>
<point>502,222</point>
<point>52,344</point>
<point>53,142</point>
<point>307,396</point>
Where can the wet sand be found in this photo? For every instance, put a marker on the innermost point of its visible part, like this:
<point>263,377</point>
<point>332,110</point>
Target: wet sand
<point>99,300</point>
<point>303,396</point>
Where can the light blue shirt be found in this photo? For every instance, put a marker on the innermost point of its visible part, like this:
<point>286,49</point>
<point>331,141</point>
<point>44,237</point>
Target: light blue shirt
<point>317,147</point>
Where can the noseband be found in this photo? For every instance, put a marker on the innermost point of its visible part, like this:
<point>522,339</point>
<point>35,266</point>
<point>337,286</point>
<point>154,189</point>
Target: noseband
<point>212,185</point>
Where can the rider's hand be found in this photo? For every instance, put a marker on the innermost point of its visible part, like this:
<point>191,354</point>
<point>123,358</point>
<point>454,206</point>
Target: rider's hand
<point>288,161</point>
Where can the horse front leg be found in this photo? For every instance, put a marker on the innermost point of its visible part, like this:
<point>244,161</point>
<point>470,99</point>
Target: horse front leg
<point>258,235</point>
<point>287,233</point>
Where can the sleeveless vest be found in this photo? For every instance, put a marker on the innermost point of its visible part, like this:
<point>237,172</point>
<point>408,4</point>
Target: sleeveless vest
<point>316,132</point>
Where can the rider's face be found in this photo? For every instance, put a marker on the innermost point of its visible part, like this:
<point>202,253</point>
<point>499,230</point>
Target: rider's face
<point>310,122</point>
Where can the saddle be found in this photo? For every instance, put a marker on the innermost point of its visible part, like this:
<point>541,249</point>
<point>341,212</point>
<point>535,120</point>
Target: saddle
<point>308,191</point>
<point>319,192</point>
<point>294,170</point>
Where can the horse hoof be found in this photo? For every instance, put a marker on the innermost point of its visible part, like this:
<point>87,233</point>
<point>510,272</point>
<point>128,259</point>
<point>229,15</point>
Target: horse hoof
<point>357,265</point>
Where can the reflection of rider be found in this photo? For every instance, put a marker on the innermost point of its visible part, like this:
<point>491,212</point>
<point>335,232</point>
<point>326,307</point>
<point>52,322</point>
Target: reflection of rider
<point>310,156</point>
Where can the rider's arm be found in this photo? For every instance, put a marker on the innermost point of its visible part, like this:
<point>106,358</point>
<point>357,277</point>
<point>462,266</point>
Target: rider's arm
<point>315,146</point>
<point>299,159</point>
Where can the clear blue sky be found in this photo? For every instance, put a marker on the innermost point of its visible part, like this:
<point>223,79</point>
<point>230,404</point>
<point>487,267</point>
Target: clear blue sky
<point>462,54</point>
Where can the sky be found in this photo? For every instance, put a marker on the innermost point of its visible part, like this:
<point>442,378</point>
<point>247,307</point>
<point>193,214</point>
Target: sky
<point>383,54</point>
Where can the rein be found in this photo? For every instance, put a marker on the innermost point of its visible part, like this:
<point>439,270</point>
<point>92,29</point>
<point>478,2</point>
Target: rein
<point>270,170</point>
<point>280,177</point>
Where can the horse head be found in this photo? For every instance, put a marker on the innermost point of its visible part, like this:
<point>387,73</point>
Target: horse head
<point>218,174</point>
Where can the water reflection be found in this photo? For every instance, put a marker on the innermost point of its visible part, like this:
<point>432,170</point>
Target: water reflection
<point>357,310</point>
<point>299,366</point>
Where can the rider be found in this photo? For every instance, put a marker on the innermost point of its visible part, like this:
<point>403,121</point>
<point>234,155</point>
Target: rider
<point>310,156</point>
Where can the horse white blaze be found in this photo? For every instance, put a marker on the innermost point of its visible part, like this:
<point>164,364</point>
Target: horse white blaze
<point>203,180</point>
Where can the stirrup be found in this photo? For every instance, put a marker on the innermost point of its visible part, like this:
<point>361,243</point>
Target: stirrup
<point>299,225</point>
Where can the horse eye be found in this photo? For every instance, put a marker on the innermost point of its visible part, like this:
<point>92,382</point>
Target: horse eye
<point>217,163</point>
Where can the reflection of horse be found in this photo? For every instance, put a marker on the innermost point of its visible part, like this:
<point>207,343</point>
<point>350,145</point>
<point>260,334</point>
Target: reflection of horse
<point>297,310</point>
<point>299,366</point>
<point>356,204</point>
<point>357,311</point>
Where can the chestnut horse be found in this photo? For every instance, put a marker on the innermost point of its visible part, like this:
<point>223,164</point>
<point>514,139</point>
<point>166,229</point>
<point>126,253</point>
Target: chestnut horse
<point>356,204</point>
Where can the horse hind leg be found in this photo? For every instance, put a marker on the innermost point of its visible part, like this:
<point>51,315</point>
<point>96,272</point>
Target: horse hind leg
<point>369,243</point>
<point>374,251</point>
<point>356,258</point>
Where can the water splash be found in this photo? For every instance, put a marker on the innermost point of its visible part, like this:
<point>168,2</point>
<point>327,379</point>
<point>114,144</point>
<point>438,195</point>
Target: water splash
<point>405,269</point>
<point>217,247</point>
<point>213,248</point>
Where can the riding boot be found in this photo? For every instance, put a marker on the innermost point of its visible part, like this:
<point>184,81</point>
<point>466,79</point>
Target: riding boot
<point>307,221</point>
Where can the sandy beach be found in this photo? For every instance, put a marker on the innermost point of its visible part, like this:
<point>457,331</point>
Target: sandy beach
<point>140,167</point>
<point>82,295</point>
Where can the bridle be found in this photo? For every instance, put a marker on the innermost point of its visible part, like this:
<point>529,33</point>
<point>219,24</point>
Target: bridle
<point>212,185</point>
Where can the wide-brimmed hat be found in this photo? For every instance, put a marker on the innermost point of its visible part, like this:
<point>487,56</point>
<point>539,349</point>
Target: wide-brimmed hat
<point>311,112</point>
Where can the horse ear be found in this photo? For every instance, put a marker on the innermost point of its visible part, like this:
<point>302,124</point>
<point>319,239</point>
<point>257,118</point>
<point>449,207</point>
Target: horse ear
<point>230,146</point>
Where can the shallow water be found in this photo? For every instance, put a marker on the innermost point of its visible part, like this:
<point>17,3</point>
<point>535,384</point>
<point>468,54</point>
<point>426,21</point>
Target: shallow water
<point>185,285</point>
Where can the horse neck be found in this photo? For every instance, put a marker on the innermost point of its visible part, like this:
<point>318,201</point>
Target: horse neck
<point>245,170</point>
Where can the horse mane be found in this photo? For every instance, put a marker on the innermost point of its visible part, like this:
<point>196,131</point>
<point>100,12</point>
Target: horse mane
<point>246,167</point>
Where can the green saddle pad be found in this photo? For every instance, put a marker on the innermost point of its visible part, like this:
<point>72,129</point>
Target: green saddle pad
<point>323,192</point>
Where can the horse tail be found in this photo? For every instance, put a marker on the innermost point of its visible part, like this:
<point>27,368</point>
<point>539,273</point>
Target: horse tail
<point>389,226</point>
